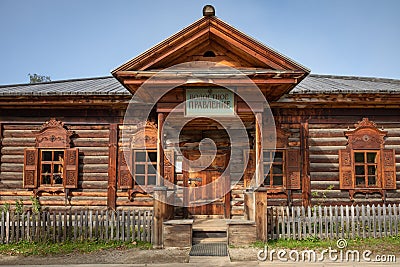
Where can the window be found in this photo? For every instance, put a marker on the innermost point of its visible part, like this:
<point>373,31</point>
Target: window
<point>52,163</point>
<point>137,162</point>
<point>274,168</point>
<point>281,169</point>
<point>178,163</point>
<point>145,167</point>
<point>51,167</point>
<point>365,164</point>
<point>366,168</point>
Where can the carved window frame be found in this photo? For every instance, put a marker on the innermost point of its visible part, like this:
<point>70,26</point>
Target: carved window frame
<point>367,138</point>
<point>144,139</point>
<point>52,136</point>
<point>291,163</point>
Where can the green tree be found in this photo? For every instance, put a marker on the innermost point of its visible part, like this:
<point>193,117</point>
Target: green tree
<point>35,78</point>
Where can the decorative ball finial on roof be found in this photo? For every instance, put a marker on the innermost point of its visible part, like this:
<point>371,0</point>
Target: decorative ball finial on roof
<point>208,11</point>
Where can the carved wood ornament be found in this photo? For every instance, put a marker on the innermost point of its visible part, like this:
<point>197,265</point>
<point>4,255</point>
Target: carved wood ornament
<point>145,136</point>
<point>52,135</point>
<point>367,137</point>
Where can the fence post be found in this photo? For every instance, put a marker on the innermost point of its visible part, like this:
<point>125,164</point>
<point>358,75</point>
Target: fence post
<point>90,221</point>
<point>106,225</point>
<point>133,225</point>
<point>384,220</point>
<point>288,219</point>
<point>374,219</point>
<point>395,219</point>
<point>363,220</point>
<point>330,222</point>
<point>380,220</point>
<point>128,226</point>
<point>299,222</point>
<point>353,222</point>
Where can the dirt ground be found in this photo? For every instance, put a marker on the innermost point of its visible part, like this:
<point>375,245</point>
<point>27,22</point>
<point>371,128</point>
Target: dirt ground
<point>129,256</point>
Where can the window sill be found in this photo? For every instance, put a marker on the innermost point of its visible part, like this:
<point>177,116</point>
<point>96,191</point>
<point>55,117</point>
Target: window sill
<point>370,190</point>
<point>43,189</point>
<point>275,190</point>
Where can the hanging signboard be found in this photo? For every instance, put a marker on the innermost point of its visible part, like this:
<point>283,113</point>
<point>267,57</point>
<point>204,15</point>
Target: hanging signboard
<point>209,102</point>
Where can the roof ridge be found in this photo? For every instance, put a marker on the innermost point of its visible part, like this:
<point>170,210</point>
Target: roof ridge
<point>57,81</point>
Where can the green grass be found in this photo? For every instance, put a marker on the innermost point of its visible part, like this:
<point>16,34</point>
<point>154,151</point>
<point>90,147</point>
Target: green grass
<point>377,245</point>
<point>42,249</point>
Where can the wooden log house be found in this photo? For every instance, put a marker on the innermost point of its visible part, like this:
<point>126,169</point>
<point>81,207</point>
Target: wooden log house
<point>338,138</point>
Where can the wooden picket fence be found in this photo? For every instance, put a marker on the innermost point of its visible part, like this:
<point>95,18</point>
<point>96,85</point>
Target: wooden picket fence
<point>327,222</point>
<point>82,225</point>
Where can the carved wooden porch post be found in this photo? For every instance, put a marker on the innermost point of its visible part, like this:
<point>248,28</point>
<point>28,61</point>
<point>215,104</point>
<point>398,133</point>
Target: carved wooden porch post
<point>160,191</point>
<point>260,195</point>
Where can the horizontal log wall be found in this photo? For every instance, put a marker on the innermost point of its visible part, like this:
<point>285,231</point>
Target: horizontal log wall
<point>92,142</point>
<point>326,138</point>
<point>92,133</point>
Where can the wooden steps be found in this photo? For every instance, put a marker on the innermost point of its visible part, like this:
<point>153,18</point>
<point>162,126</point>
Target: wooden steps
<point>206,230</point>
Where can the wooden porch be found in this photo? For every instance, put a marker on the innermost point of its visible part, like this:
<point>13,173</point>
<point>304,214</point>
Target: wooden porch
<point>205,230</point>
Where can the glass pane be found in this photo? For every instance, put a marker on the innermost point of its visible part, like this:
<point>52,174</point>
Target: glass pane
<point>152,156</point>
<point>57,179</point>
<point>58,155</point>
<point>57,168</point>
<point>278,180</point>
<point>371,180</point>
<point>46,168</point>
<point>277,169</point>
<point>360,170</point>
<point>139,169</point>
<point>46,155</point>
<point>360,181</point>
<point>266,169</point>
<point>151,180</point>
<point>359,157</point>
<point>267,156</point>
<point>140,180</point>
<point>267,180</point>
<point>178,164</point>
<point>46,179</point>
<point>371,157</point>
<point>140,156</point>
<point>372,170</point>
<point>151,169</point>
<point>278,156</point>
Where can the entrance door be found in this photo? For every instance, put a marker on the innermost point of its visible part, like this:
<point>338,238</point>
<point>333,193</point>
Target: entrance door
<point>208,187</point>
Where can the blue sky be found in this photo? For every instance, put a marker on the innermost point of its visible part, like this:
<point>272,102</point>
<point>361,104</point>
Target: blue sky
<point>88,38</point>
